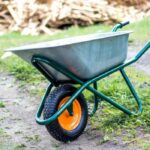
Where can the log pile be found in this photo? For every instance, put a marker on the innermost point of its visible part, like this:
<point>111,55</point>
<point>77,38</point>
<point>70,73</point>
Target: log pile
<point>29,17</point>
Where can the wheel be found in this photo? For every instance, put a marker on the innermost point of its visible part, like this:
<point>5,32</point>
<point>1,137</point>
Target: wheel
<point>66,127</point>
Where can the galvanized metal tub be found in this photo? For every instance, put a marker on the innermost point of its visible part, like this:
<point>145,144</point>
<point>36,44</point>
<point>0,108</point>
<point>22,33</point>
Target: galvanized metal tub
<point>85,56</point>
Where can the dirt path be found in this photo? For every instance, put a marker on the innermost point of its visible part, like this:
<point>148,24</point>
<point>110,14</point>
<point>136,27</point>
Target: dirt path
<point>18,129</point>
<point>143,64</point>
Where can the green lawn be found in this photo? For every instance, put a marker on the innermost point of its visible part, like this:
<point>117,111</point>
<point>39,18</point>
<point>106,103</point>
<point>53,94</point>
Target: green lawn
<point>107,120</point>
<point>141,30</point>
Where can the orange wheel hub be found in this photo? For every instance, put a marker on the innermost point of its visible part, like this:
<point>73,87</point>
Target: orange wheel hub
<point>67,121</point>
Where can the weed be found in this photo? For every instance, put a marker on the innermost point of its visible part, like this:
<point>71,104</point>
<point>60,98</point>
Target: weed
<point>2,105</point>
<point>3,134</point>
<point>55,145</point>
<point>35,138</point>
<point>105,139</point>
<point>18,132</point>
<point>1,131</point>
<point>20,146</point>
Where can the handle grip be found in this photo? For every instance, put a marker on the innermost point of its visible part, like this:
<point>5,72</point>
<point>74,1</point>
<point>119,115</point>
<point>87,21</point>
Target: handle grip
<point>122,24</point>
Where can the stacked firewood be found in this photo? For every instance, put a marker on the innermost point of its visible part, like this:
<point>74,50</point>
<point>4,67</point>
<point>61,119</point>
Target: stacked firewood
<point>128,2</point>
<point>29,17</point>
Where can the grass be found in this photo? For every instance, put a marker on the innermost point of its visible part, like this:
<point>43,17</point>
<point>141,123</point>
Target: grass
<point>112,122</point>
<point>108,120</point>
<point>117,89</point>
<point>140,30</point>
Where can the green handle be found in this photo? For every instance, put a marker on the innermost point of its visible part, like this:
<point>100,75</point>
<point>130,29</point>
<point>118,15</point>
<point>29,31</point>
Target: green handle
<point>120,25</point>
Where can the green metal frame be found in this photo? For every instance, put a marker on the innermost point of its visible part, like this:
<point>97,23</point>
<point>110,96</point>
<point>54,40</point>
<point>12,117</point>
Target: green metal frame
<point>37,61</point>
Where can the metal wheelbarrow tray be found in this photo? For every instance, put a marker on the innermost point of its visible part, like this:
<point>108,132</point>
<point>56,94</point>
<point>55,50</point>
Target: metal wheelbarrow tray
<point>82,60</point>
<point>85,56</point>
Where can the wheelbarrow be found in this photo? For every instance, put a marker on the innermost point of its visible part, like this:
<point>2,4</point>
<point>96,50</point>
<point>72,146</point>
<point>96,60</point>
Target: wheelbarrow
<point>82,60</point>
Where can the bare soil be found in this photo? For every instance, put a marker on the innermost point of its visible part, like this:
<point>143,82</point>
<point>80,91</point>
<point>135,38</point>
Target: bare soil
<point>143,64</point>
<point>18,129</point>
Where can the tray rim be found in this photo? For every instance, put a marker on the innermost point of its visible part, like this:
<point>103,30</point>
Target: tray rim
<point>79,39</point>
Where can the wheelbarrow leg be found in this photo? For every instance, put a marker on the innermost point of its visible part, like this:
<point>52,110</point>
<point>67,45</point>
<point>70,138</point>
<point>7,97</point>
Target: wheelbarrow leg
<point>129,84</point>
<point>96,101</point>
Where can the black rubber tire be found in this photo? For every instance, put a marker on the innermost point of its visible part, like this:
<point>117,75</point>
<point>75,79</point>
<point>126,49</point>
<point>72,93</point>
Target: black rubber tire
<point>51,106</point>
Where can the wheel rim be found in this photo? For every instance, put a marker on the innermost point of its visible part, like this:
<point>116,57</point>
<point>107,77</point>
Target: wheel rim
<point>67,121</point>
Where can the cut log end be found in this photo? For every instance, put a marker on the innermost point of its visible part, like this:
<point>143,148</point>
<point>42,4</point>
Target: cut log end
<point>49,2</point>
